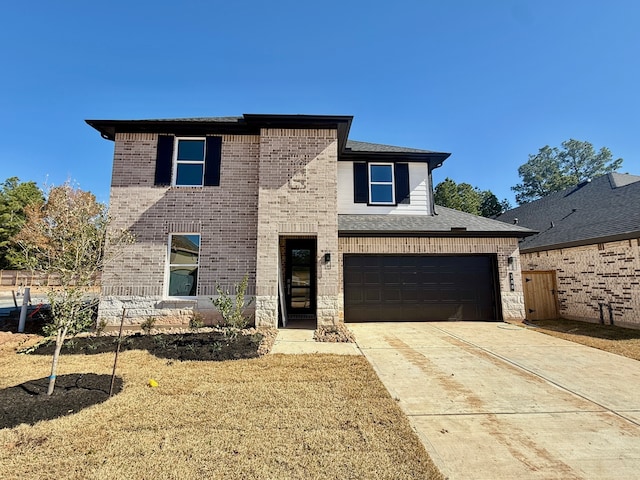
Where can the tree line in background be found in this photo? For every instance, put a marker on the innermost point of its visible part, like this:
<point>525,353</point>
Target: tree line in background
<point>550,170</point>
<point>15,197</point>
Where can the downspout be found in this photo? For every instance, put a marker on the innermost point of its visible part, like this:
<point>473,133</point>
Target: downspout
<point>432,202</point>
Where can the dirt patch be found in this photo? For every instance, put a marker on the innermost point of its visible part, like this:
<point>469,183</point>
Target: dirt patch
<point>29,402</point>
<point>618,340</point>
<point>216,345</point>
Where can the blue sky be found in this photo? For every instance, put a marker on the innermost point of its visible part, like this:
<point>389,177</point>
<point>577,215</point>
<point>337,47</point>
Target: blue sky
<point>490,81</point>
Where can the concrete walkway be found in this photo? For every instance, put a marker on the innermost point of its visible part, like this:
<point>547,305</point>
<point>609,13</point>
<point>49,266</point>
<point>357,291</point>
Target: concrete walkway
<point>292,340</point>
<point>498,401</point>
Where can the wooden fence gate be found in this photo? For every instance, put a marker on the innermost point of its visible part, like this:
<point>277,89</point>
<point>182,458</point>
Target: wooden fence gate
<point>540,294</point>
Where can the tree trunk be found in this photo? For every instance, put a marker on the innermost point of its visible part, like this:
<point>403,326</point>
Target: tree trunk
<point>62,334</point>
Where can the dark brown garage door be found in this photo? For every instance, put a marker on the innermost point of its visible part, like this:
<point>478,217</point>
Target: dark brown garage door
<point>410,288</point>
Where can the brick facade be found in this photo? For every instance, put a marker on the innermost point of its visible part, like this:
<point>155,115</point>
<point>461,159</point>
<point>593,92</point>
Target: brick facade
<point>593,278</point>
<point>297,196</point>
<point>503,248</point>
<point>225,216</point>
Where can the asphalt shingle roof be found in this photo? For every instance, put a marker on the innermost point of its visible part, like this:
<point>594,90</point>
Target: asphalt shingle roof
<point>355,146</point>
<point>604,209</point>
<point>446,221</point>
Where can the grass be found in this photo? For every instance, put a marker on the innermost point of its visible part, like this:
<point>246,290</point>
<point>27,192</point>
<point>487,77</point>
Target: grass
<point>621,341</point>
<point>274,417</point>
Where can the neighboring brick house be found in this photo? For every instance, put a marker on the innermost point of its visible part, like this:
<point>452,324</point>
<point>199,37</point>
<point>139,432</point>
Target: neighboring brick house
<point>589,242</point>
<point>325,228</point>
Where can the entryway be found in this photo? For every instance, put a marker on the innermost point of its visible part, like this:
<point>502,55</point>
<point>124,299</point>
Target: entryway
<point>298,282</point>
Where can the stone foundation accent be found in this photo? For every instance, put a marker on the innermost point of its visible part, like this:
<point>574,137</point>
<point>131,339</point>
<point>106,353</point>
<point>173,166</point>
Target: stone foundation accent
<point>513,306</point>
<point>167,312</point>
<point>329,309</point>
<point>139,309</point>
<point>266,311</point>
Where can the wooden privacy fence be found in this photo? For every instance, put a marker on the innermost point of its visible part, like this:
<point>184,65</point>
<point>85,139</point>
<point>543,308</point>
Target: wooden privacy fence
<point>25,278</point>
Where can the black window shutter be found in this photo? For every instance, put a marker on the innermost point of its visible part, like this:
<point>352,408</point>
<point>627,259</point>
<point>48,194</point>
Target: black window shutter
<point>164,159</point>
<point>212,160</point>
<point>360,183</point>
<point>402,183</point>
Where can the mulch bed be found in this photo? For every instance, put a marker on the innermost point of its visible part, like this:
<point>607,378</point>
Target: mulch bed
<point>209,346</point>
<point>29,402</point>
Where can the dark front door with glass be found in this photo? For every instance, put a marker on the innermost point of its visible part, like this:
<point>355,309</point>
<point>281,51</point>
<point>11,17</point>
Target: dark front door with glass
<point>300,282</point>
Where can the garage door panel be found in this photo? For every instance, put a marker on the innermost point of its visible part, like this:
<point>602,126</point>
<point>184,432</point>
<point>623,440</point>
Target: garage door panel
<point>419,288</point>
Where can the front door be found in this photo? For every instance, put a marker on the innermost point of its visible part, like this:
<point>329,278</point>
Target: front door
<point>300,281</point>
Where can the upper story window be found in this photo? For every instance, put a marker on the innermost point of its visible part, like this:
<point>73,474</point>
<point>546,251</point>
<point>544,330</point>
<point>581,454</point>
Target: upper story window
<point>188,161</point>
<point>184,254</point>
<point>381,183</point>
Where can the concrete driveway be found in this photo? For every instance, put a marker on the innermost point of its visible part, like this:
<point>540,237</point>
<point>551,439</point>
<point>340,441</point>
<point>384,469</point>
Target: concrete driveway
<point>494,400</point>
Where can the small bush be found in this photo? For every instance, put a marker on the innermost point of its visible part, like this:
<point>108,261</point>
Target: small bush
<point>100,326</point>
<point>148,325</point>
<point>196,321</point>
<point>232,310</point>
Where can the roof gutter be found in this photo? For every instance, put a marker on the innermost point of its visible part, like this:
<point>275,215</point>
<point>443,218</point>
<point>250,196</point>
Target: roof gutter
<point>587,241</point>
<point>425,233</point>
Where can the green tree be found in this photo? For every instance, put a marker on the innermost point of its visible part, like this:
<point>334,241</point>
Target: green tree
<point>490,206</point>
<point>14,198</point>
<point>65,235</point>
<point>553,169</point>
<point>466,198</point>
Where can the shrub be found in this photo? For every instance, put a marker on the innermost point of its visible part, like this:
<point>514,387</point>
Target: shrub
<point>232,310</point>
<point>196,321</point>
<point>148,324</point>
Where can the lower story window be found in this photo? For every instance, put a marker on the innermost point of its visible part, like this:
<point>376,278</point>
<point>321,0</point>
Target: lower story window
<point>184,253</point>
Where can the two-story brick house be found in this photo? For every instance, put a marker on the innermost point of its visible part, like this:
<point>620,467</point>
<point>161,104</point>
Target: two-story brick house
<point>325,227</point>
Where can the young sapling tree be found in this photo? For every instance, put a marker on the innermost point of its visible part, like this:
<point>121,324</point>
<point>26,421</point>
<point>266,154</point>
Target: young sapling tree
<point>67,236</point>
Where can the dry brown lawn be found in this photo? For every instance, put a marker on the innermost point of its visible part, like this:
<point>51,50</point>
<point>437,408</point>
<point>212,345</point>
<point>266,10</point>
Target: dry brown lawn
<point>622,341</point>
<point>275,417</point>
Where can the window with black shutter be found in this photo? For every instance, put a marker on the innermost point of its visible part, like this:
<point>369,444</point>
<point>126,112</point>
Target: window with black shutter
<point>360,183</point>
<point>402,183</point>
<point>164,160</point>
<point>188,161</point>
